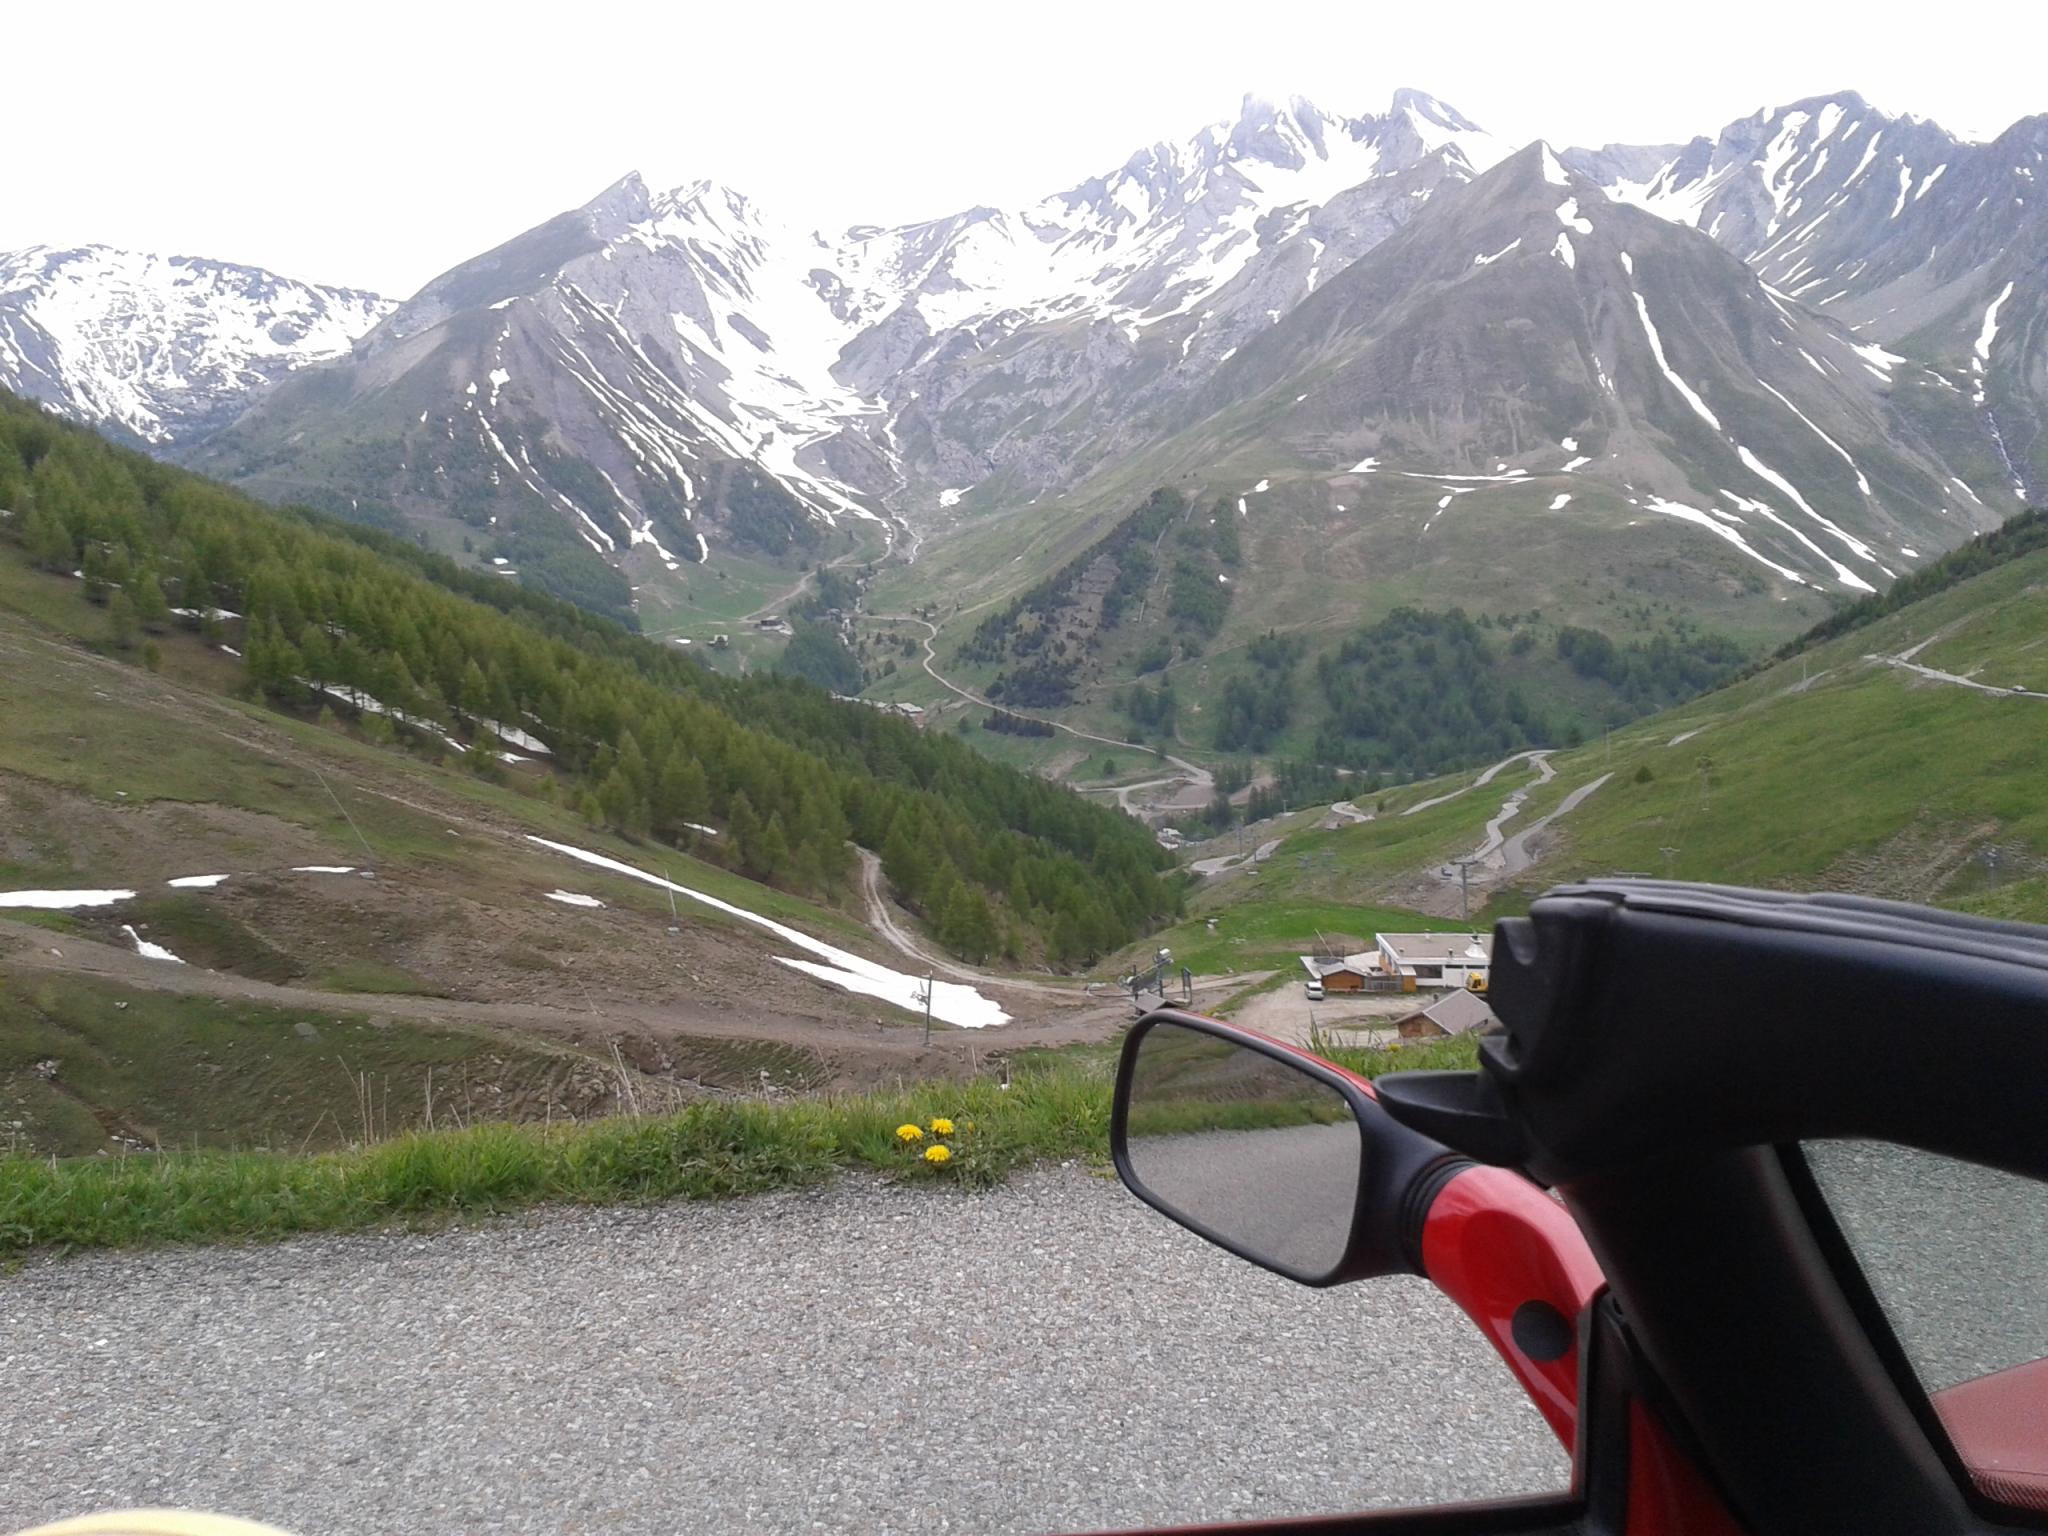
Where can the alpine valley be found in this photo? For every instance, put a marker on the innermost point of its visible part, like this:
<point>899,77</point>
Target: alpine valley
<point>1191,450</point>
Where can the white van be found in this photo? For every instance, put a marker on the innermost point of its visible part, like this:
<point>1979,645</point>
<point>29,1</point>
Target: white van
<point>1314,989</point>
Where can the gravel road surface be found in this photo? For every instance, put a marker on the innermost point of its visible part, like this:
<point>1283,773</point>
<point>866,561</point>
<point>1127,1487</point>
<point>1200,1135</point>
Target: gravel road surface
<point>1049,1355</point>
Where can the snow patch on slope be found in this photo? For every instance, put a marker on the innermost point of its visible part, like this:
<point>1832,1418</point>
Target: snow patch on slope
<point>951,1001</point>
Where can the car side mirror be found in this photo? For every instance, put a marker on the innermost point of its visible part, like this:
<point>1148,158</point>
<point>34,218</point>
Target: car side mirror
<point>1268,1152</point>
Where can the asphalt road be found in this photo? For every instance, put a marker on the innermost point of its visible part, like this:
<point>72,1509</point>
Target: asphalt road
<point>1283,1191</point>
<point>1957,1254</point>
<point>1049,1355</point>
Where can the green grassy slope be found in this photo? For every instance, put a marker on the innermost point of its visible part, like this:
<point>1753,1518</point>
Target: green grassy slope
<point>124,740</point>
<point>112,775</point>
<point>640,739</point>
<point>87,1066</point>
<point>1830,768</point>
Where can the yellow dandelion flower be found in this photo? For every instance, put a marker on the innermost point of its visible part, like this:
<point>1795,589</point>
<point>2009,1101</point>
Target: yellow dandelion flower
<point>938,1152</point>
<point>942,1126</point>
<point>909,1133</point>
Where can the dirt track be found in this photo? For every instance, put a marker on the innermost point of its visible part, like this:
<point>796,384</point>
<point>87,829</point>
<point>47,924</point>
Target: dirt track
<point>854,1053</point>
<point>882,918</point>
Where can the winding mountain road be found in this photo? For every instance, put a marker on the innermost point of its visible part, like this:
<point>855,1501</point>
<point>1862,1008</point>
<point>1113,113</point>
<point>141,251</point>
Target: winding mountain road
<point>1514,852</point>
<point>1904,663</point>
<point>1511,808</point>
<point>1500,854</point>
<point>1216,866</point>
<point>783,600</point>
<point>1197,778</point>
<point>1541,754</point>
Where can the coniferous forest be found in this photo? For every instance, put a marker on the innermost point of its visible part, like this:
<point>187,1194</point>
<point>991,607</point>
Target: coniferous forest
<point>642,739</point>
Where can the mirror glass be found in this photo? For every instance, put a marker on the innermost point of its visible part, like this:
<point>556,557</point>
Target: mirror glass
<point>1260,1153</point>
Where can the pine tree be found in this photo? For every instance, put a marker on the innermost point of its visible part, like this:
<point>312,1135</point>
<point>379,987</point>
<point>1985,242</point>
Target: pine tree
<point>96,563</point>
<point>768,854</point>
<point>473,695</point>
<point>941,885</point>
<point>151,609</point>
<point>680,794</point>
<point>900,862</point>
<point>47,542</point>
<point>123,628</point>
<point>13,480</point>
<point>633,764</point>
<point>968,927</point>
<point>742,826</point>
<point>624,806</point>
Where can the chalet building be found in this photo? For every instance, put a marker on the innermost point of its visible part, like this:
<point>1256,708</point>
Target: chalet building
<point>1437,959</point>
<point>1351,973</point>
<point>1406,962</point>
<point>1455,1013</point>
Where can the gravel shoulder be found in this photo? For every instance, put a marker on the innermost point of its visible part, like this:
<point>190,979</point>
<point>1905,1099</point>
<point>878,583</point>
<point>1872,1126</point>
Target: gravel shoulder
<point>1047,1355</point>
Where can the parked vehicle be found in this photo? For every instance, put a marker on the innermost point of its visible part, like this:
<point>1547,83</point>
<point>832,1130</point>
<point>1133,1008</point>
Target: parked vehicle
<point>1747,1197</point>
<point>1314,989</point>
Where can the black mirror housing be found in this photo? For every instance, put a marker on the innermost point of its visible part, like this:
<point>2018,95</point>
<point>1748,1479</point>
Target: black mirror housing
<point>1399,1170</point>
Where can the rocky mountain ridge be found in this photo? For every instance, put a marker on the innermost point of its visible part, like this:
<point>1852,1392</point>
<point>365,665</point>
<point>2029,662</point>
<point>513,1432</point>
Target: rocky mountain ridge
<point>1918,240</point>
<point>1647,365</point>
<point>659,375</point>
<point>162,349</point>
<point>657,336</point>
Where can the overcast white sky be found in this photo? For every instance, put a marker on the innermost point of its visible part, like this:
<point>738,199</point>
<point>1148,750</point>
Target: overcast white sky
<point>376,144</point>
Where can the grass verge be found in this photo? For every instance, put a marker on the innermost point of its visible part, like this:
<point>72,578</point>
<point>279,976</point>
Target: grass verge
<point>1055,1106</point>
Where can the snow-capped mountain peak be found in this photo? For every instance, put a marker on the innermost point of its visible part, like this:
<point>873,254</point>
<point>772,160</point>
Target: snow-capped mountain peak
<point>665,333</point>
<point>165,348</point>
<point>1280,131</point>
<point>1776,185</point>
<point>672,370</point>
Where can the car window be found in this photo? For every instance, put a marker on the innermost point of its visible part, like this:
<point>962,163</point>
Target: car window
<point>1957,1256</point>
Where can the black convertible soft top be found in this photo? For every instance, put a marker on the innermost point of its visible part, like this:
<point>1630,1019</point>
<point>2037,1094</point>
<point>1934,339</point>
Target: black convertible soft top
<point>1650,1017</point>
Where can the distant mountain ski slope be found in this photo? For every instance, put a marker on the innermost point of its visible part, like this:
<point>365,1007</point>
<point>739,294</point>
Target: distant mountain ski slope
<point>165,349</point>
